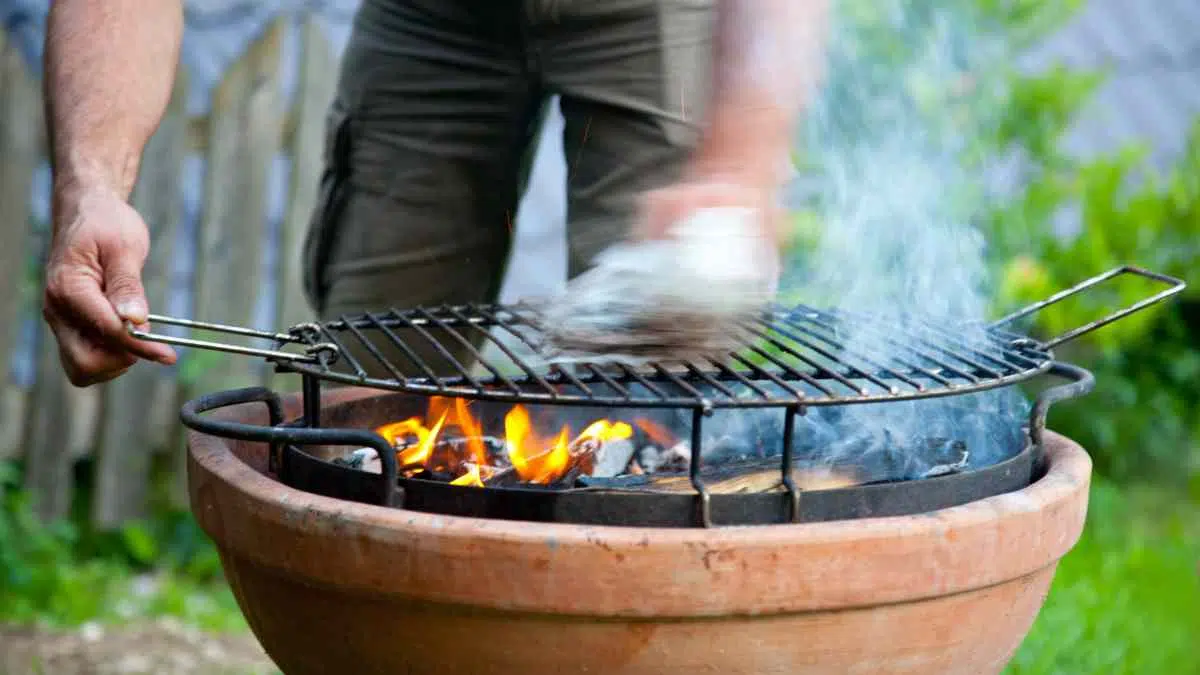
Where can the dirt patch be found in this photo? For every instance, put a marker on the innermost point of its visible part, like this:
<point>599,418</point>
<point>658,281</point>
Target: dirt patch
<point>164,646</point>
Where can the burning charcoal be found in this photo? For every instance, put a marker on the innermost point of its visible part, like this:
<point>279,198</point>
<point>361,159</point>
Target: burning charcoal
<point>612,457</point>
<point>505,477</point>
<point>635,467</point>
<point>363,459</point>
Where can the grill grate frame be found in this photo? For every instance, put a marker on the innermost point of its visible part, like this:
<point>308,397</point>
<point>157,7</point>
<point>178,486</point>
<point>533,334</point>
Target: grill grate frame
<point>796,356</point>
<point>790,357</point>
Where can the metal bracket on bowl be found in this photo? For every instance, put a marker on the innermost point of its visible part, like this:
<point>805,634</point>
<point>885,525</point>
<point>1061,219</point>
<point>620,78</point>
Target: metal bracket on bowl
<point>1175,286</point>
<point>1082,382</point>
<point>279,433</point>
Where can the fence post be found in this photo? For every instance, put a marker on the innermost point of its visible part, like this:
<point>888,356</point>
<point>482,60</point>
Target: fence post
<point>46,438</point>
<point>20,132</point>
<point>129,429</point>
<point>244,135</point>
<point>317,80</point>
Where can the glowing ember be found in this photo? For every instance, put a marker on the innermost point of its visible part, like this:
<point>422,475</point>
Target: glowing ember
<point>431,445</point>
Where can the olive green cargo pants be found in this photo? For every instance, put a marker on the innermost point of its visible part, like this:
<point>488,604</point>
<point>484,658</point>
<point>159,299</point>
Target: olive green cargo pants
<point>432,129</point>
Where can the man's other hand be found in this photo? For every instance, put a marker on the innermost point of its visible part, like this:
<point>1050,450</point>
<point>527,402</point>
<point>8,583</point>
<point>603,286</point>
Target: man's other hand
<point>94,286</point>
<point>661,210</point>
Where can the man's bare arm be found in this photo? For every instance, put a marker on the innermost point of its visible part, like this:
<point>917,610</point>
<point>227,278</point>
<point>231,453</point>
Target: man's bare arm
<point>109,71</point>
<point>110,65</point>
<point>768,58</point>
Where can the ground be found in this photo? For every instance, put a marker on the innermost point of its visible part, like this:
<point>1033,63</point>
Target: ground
<point>158,647</point>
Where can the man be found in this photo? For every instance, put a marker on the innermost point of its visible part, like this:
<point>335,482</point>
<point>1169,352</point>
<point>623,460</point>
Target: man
<point>669,106</point>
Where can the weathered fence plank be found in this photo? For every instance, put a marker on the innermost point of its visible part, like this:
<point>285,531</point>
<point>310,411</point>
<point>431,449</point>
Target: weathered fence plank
<point>243,141</point>
<point>48,451</point>
<point>129,430</point>
<point>20,121</point>
<point>47,438</point>
<point>317,79</point>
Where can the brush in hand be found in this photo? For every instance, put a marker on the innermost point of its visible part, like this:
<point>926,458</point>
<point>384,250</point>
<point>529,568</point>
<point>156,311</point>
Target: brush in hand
<point>685,293</point>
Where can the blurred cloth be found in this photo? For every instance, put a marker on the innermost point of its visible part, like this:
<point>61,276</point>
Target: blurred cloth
<point>432,130</point>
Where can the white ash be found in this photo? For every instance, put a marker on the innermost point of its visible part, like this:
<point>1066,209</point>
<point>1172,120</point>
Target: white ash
<point>653,459</point>
<point>949,468</point>
<point>363,459</point>
<point>612,458</point>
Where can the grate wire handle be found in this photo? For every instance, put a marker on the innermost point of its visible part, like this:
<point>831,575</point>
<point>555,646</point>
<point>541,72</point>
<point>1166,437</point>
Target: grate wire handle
<point>1175,286</point>
<point>313,353</point>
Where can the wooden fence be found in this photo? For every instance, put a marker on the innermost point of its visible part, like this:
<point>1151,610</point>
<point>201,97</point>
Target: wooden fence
<point>131,425</point>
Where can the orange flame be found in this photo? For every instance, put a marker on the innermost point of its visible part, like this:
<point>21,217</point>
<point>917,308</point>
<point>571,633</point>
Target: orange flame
<point>426,439</point>
<point>534,459</point>
<point>471,478</point>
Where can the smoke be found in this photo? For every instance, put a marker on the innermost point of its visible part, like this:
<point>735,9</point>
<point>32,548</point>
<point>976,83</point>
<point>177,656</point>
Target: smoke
<point>888,155</point>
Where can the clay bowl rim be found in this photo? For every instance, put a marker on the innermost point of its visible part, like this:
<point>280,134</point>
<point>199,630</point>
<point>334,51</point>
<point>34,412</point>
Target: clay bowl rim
<point>894,558</point>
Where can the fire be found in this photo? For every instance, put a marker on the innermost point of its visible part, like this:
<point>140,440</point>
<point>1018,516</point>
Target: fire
<point>532,457</point>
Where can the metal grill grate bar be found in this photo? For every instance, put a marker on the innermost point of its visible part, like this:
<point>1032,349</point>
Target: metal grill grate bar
<point>798,357</point>
<point>437,345</point>
<point>841,346</point>
<point>517,360</point>
<point>354,363</point>
<point>396,342</point>
<point>821,369</point>
<point>931,373</point>
<point>495,319</point>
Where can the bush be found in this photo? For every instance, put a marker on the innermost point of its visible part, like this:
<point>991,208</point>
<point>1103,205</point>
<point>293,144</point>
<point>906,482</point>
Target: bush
<point>63,573</point>
<point>942,73</point>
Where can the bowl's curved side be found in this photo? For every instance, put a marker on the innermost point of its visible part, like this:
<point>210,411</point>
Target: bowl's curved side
<point>631,572</point>
<point>312,630</point>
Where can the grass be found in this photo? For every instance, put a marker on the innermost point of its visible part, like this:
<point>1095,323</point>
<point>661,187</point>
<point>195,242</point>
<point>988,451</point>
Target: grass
<point>1126,599</point>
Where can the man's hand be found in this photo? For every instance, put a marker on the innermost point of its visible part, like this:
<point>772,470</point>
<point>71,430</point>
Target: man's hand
<point>662,209</point>
<point>672,204</point>
<point>93,285</point>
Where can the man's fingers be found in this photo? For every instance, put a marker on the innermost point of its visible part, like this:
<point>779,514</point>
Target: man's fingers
<point>154,351</point>
<point>85,361</point>
<point>123,286</point>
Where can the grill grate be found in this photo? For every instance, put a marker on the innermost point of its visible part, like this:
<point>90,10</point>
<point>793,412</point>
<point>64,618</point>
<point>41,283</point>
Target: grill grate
<point>793,357</point>
<point>800,355</point>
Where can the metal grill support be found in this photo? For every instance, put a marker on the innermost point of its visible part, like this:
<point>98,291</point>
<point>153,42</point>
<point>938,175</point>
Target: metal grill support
<point>296,467</point>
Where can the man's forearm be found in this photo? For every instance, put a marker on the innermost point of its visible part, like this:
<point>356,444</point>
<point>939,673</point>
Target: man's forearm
<point>768,57</point>
<point>109,71</point>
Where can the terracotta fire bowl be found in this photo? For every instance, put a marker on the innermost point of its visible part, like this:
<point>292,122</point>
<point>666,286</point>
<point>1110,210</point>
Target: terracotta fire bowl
<point>332,586</point>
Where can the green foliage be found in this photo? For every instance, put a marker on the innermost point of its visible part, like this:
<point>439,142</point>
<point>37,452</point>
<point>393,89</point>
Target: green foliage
<point>966,98</point>
<point>1143,413</point>
<point>62,573</point>
<point>1125,599</point>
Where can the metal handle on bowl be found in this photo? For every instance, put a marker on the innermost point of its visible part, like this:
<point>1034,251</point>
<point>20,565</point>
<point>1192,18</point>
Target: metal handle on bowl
<point>279,433</point>
<point>1081,382</point>
<point>1175,286</point>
